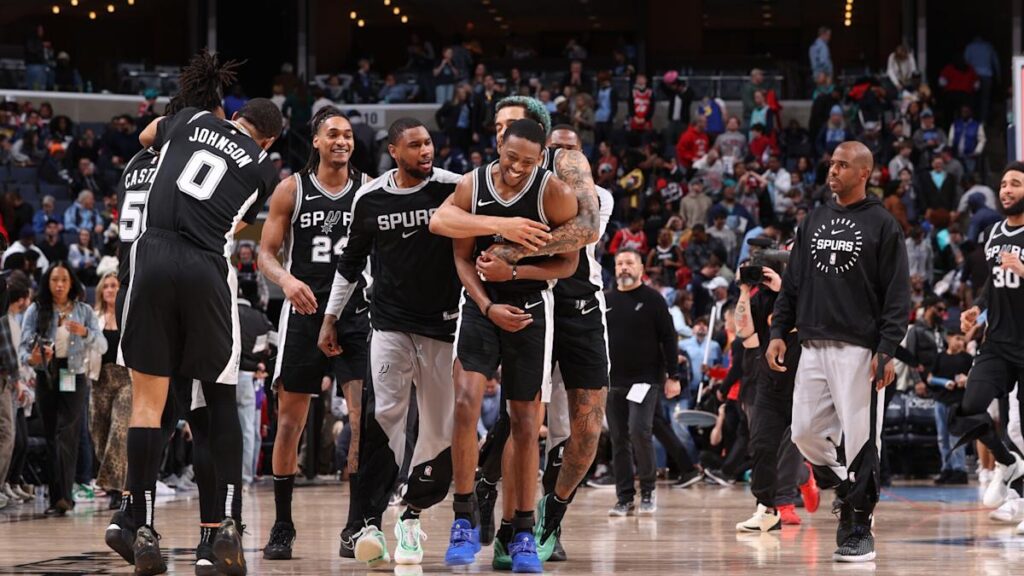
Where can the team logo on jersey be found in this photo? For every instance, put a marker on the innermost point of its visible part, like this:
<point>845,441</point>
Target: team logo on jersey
<point>836,246</point>
<point>333,217</point>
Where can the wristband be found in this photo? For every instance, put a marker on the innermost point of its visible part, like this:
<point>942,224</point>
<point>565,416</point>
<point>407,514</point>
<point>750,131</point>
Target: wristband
<point>487,311</point>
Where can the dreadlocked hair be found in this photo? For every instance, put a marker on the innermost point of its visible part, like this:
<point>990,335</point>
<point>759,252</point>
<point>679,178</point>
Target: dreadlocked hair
<point>534,109</point>
<point>202,83</point>
<point>321,116</point>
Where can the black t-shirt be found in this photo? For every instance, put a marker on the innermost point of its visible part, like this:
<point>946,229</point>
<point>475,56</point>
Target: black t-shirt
<point>642,342</point>
<point>211,175</point>
<point>948,366</point>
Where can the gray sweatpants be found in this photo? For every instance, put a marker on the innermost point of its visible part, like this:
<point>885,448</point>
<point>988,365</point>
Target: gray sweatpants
<point>834,399</point>
<point>397,360</point>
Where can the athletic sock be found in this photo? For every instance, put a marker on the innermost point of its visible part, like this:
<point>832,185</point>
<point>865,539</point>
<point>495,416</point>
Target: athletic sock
<point>225,447</point>
<point>203,466</point>
<point>283,486</point>
<point>145,451</point>
<point>206,534</point>
<point>505,534</point>
<point>465,506</point>
<point>411,514</point>
<point>523,521</point>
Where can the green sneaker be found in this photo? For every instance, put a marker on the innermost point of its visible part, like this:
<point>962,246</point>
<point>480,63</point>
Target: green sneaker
<point>371,547</point>
<point>409,535</point>
<point>82,493</point>
<point>544,549</point>
<point>502,560</point>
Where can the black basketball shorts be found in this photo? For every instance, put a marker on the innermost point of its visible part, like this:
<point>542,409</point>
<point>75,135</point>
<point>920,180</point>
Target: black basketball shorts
<point>301,365</point>
<point>524,356</point>
<point>581,342</point>
<point>180,314</point>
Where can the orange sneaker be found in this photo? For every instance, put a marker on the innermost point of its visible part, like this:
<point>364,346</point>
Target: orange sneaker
<point>809,491</point>
<point>789,516</point>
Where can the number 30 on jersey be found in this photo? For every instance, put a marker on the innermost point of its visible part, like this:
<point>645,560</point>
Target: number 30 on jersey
<point>1002,278</point>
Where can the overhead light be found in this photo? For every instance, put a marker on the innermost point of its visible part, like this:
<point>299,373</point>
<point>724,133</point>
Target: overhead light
<point>74,2</point>
<point>492,10</point>
<point>405,19</point>
<point>92,15</point>
<point>56,9</point>
<point>110,8</point>
<point>352,15</point>
<point>485,2</point>
<point>847,23</point>
<point>497,18</point>
<point>361,23</point>
<point>131,2</point>
<point>397,10</point>
<point>387,2</point>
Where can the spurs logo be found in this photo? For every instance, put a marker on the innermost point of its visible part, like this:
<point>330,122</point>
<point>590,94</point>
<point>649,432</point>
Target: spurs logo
<point>333,217</point>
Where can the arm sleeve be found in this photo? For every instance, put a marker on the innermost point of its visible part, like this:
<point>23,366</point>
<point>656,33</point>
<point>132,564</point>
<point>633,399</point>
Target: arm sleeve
<point>351,262</point>
<point>267,184</point>
<point>894,276</point>
<point>666,336</point>
<point>784,318</point>
<point>736,366</point>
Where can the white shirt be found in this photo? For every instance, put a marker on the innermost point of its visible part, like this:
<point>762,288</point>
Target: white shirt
<point>18,248</point>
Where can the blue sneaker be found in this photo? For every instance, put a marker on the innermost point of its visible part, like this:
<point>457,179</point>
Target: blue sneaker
<point>464,544</point>
<point>523,550</point>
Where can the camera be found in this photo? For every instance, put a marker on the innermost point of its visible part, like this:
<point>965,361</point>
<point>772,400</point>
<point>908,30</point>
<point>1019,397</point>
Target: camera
<point>764,252</point>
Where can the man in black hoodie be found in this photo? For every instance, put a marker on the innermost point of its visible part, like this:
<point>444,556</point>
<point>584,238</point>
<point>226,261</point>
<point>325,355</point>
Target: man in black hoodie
<point>847,293</point>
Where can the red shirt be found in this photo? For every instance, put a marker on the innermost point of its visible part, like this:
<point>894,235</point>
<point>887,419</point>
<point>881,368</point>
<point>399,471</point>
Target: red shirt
<point>691,146</point>
<point>955,80</point>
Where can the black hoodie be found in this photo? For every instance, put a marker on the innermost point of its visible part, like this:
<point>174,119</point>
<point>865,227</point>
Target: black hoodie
<point>847,278</point>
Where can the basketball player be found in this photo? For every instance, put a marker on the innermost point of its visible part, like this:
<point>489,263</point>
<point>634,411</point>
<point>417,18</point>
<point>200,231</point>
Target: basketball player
<point>579,338</point>
<point>412,315</point>
<point>506,320</point>
<point>202,82</point>
<point>309,215</point>
<point>851,249</point>
<point>1000,362</point>
<point>180,315</point>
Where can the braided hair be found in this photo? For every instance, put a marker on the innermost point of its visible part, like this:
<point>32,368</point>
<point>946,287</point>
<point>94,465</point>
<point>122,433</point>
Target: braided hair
<point>315,123</point>
<point>202,83</point>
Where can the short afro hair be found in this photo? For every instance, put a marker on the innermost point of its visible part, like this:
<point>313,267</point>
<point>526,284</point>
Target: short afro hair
<point>398,127</point>
<point>535,110</point>
<point>264,116</point>
<point>526,129</point>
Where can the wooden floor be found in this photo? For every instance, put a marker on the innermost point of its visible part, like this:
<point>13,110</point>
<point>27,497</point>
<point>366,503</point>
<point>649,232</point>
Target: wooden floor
<point>919,529</point>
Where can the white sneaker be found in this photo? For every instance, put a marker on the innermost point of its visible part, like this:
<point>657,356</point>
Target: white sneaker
<point>984,477</point>
<point>1002,477</point>
<point>409,549</point>
<point>371,546</point>
<point>1012,510</point>
<point>163,489</point>
<point>1020,529</point>
<point>4,501</point>
<point>761,521</point>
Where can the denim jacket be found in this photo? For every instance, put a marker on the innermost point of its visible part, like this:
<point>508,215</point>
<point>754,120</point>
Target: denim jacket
<point>78,346</point>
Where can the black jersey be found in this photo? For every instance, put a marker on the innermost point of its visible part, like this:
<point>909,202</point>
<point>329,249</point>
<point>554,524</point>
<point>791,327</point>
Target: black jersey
<point>415,286</point>
<point>211,175</point>
<point>319,229</point>
<point>528,203</point>
<point>132,193</point>
<point>1005,297</point>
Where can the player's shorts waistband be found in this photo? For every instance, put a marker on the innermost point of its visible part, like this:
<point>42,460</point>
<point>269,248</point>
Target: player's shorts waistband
<point>176,238</point>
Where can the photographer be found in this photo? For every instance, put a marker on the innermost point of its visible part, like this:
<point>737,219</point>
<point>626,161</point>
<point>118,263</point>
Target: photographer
<point>778,468</point>
<point>57,332</point>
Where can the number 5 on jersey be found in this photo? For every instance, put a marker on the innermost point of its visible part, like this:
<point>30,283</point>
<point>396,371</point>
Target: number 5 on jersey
<point>130,224</point>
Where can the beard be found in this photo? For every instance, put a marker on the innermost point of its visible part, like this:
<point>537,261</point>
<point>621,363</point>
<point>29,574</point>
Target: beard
<point>626,280</point>
<point>1015,209</point>
<point>415,171</point>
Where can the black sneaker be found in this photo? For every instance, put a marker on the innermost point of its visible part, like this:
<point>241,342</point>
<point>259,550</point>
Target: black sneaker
<point>558,555</point>
<point>606,481</point>
<point>115,501</point>
<point>844,512</point>
<point>227,547</point>
<point>120,535</point>
<point>957,478</point>
<point>859,545</point>
<point>622,509</point>
<point>687,479</point>
<point>486,497</point>
<point>205,560</point>
<point>348,543</point>
<point>279,547</point>
<point>148,561</point>
<point>647,504</point>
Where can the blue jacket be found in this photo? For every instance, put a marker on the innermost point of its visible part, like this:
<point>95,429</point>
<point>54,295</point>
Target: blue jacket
<point>78,346</point>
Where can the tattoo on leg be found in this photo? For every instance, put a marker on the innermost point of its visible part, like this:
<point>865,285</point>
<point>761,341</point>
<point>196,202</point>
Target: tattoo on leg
<point>586,413</point>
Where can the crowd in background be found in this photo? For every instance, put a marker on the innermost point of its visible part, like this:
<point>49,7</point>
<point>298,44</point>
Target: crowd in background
<point>693,180</point>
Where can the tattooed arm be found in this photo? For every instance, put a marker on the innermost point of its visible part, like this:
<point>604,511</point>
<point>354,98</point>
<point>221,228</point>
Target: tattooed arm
<point>572,168</point>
